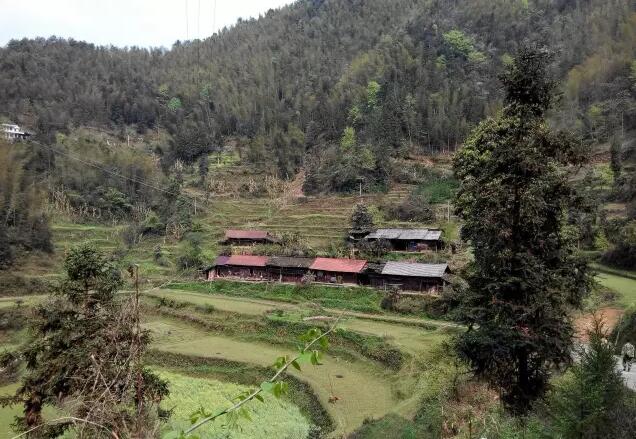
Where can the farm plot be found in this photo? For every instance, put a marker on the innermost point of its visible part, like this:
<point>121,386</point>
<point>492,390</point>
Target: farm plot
<point>624,286</point>
<point>404,333</point>
<point>273,418</point>
<point>364,390</point>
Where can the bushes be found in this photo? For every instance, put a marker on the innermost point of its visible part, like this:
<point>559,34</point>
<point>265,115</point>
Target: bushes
<point>192,256</point>
<point>416,207</point>
<point>623,235</point>
<point>19,285</point>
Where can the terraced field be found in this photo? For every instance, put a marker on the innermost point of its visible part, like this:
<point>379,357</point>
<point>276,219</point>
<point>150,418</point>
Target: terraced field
<point>321,219</point>
<point>272,418</point>
<point>364,390</point>
<point>624,286</point>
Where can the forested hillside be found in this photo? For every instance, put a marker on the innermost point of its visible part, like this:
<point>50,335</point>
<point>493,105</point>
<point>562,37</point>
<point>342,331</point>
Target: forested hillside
<point>334,86</point>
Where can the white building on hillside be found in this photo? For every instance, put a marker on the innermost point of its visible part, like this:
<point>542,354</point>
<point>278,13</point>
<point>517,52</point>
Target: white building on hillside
<point>13,132</point>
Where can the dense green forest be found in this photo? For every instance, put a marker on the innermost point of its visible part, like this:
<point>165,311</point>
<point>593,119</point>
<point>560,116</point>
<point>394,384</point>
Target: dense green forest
<point>319,82</point>
<point>344,90</point>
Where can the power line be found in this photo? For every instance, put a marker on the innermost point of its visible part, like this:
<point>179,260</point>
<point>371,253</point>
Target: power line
<point>187,24</point>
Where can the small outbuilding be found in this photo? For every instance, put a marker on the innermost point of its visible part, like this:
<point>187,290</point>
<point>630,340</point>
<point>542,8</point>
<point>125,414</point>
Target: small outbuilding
<point>288,269</point>
<point>239,266</point>
<point>248,237</point>
<point>412,240</point>
<point>337,270</point>
<point>409,276</point>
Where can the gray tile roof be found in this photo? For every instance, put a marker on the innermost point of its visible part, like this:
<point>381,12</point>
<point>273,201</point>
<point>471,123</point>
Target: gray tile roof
<point>385,234</point>
<point>406,234</point>
<point>415,270</point>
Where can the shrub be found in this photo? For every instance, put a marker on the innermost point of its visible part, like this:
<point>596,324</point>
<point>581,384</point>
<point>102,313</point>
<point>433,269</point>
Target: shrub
<point>623,255</point>
<point>416,207</point>
<point>592,401</point>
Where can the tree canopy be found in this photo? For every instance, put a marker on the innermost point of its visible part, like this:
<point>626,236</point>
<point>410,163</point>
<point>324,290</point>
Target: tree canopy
<point>514,198</point>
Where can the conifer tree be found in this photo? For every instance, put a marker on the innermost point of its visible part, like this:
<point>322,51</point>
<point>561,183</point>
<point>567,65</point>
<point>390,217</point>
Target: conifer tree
<point>514,198</point>
<point>86,348</point>
<point>361,219</point>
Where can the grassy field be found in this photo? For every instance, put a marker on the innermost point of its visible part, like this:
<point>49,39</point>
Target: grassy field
<point>408,335</point>
<point>7,414</point>
<point>624,286</point>
<point>364,389</point>
<point>352,298</point>
<point>274,418</point>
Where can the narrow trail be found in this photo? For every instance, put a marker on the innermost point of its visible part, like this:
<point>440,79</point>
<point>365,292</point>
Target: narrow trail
<point>364,391</point>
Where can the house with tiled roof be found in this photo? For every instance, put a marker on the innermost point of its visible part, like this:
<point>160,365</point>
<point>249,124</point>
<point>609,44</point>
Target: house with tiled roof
<point>408,239</point>
<point>288,269</point>
<point>410,276</point>
<point>338,270</point>
<point>245,267</point>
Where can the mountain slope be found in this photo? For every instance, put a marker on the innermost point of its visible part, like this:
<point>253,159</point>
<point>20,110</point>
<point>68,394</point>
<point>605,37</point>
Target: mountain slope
<point>405,75</point>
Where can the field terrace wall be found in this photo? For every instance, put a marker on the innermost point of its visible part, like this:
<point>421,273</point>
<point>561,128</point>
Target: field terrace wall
<point>341,271</point>
<point>288,269</point>
<point>412,240</point>
<point>248,237</point>
<point>406,276</point>
<point>239,266</point>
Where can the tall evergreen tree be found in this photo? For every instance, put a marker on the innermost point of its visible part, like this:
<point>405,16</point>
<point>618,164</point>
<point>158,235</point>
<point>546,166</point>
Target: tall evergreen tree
<point>361,219</point>
<point>616,160</point>
<point>514,199</point>
<point>86,348</point>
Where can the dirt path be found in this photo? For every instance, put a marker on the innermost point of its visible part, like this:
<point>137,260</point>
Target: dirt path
<point>363,390</point>
<point>583,323</point>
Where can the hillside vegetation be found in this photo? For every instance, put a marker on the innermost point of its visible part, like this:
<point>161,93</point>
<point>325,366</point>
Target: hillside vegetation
<point>332,79</point>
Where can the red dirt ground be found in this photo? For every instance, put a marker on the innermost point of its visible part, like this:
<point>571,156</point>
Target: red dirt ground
<point>583,323</point>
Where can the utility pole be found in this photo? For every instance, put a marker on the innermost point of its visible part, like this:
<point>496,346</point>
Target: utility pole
<point>134,271</point>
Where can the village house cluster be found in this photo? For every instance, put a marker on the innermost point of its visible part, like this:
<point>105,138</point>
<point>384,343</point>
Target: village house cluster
<point>405,276</point>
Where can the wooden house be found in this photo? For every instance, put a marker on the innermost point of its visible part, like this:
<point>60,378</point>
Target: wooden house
<point>408,276</point>
<point>248,237</point>
<point>342,271</point>
<point>288,269</point>
<point>239,266</point>
<point>409,239</point>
